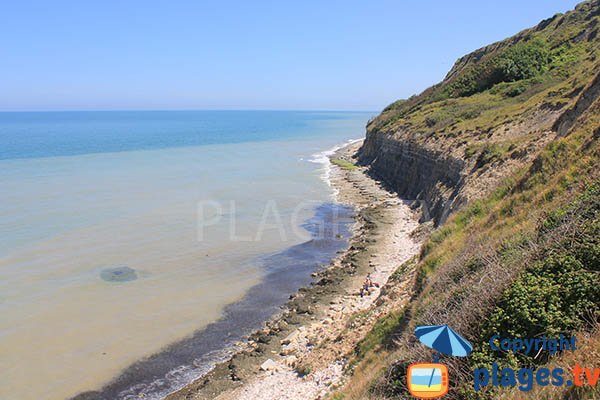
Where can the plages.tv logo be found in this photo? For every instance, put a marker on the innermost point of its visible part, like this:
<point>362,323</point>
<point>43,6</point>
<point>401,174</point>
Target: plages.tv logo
<point>430,380</point>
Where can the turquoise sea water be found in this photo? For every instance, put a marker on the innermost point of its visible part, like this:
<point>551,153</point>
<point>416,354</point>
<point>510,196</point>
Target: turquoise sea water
<point>50,134</point>
<point>191,207</point>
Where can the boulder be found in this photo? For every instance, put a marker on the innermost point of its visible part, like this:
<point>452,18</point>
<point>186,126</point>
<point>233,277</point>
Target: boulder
<point>268,365</point>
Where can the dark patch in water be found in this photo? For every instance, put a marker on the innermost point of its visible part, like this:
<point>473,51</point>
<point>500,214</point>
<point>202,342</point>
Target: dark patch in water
<point>118,274</point>
<point>181,362</point>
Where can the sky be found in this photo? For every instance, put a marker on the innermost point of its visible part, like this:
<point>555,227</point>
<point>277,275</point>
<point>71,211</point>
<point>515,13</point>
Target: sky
<point>225,54</point>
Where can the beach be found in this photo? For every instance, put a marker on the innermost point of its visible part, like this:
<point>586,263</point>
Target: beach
<point>302,353</point>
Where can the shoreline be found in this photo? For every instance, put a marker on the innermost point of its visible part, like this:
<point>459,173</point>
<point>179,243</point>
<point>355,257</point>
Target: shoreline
<point>174,366</point>
<point>302,352</point>
<point>324,158</point>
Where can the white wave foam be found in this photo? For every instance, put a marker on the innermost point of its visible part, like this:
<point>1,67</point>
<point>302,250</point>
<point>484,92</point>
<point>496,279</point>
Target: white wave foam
<point>323,158</point>
<point>179,377</point>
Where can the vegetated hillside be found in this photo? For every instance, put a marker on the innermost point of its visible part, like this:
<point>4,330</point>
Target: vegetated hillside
<point>491,115</point>
<point>509,141</point>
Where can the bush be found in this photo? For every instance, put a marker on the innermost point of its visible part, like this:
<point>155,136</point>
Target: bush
<point>555,296</point>
<point>564,57</point>
<point>549,299</point>
<point>491,152</point>
<point>475,80</point>
<point>524,60</point>
<point>559,293</point>
<point>516,89</point>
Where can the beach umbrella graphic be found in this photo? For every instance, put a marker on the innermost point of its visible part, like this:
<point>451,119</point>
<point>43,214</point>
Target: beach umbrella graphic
<point>444,340</point>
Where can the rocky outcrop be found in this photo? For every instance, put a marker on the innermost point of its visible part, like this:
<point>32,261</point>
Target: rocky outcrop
<point>586,98</point>
<point>416,172</point>
<point>459,139</point>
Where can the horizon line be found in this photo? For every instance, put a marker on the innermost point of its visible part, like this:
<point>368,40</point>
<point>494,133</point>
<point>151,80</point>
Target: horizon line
<point>190,109</point>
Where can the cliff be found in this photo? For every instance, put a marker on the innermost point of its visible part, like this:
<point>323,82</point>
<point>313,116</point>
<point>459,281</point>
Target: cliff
<point>504,157</point>
<point>491,115</point>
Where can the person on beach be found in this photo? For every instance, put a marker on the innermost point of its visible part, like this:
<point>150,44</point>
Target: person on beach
<point>370,282</point>
<point>367,285</point>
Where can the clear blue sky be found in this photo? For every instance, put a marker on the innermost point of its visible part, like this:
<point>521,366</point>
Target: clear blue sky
<point>321,54</point>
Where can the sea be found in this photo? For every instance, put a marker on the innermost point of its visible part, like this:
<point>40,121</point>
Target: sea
<point>137,247</point>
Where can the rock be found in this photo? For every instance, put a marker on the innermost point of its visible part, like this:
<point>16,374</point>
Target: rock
<point>303,308</point>
<point>290,338</point>
<point>118,274</point>
<point>392,157</point>
<point>268,365</point>
<point>264,339</point>
<point>291,361</point>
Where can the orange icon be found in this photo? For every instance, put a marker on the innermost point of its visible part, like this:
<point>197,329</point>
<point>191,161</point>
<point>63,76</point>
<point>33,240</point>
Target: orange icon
<point>427,380</point>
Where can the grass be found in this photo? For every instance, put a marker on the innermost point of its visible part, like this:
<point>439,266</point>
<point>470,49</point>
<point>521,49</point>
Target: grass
<point>467,264</point>
<point>538,67</point>
<point>499,233</point>
<point>499,244</point>
<point>483,241</point>
<point>379,333</point>
<point>343,163</point>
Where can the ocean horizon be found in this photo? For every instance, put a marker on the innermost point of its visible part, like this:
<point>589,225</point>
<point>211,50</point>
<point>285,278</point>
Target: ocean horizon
<point>128,235</point>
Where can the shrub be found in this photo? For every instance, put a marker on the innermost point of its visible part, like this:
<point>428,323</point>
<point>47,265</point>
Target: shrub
<point>554,296</point>
<point>524,60</point>
<point>303,370</point>
<point>559,293</point>
<point>515,90</point>
<point>490,153</point>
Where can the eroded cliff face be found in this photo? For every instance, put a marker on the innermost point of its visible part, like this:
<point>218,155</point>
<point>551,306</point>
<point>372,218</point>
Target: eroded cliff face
<point>527,146</point>
<point>458,140</point>
<point>416,172</point>
<point>442,174</point>
<point>566,121</point>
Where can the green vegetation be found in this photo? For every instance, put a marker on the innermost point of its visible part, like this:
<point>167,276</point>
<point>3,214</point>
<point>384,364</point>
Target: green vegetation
<point>490,153</point>
<point>523,261</point>
<point>380,332</point>
<point>557,294</point>
<point>303,370</point>
<point>343,163</point>
<point>494,95</point>
<point>524,60</point>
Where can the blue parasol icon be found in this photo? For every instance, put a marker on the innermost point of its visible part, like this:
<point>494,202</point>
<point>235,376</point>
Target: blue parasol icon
<point>444,339</point>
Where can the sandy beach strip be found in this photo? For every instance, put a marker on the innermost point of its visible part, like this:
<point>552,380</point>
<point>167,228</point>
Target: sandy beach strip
<point>302,353</point>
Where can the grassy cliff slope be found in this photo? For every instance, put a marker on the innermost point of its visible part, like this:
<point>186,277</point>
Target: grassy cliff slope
<point>503,155</point>
<point>491,115</point>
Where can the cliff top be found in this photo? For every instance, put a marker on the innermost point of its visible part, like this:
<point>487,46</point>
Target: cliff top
<point>501,93</point>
